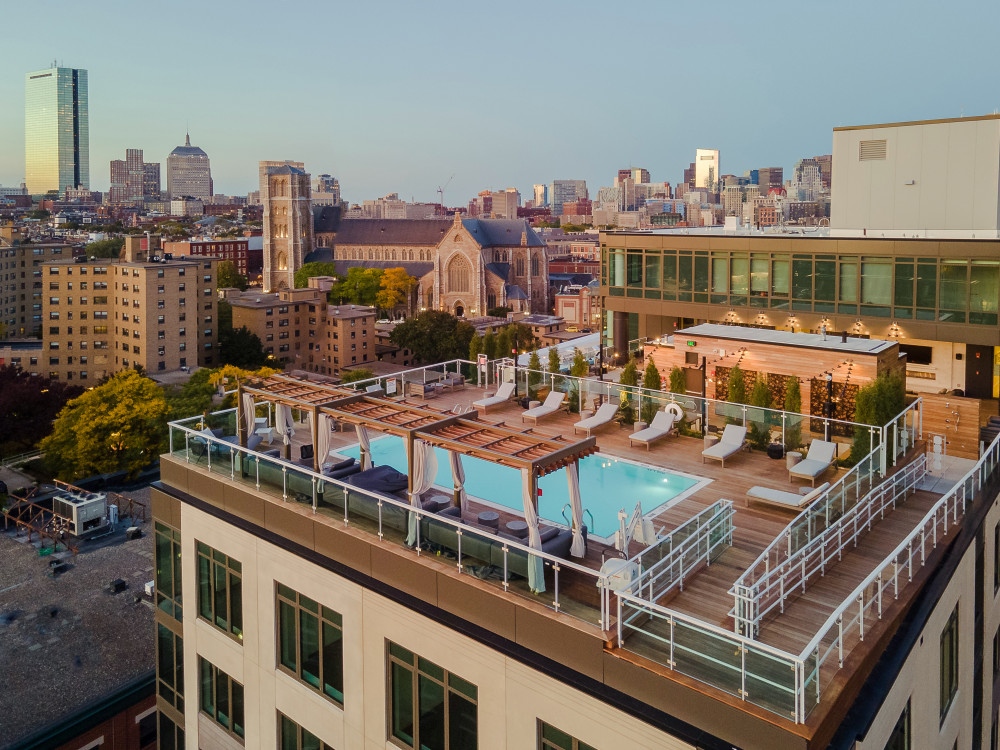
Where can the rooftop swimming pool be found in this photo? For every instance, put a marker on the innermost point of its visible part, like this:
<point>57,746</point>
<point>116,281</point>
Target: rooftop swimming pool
<point>607,484</point>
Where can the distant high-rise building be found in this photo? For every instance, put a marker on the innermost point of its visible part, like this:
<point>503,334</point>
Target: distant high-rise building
<point>706,168</point>
<point>505,203</point>
<point>189,172</point>
<point>134,174</point>
<point>326,191</point>
<point>689,176</point>
<point>56,130</point>
<point>541,195</point>
<point>566,191</point>
<point>119,176</point>
<point>288,221</point>
<point>151,180</point>
<point>806,182</point>
<point>825,164</point>
<point>770,178</point>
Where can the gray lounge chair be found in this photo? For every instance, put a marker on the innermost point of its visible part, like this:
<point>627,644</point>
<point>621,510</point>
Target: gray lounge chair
<point>605,413</point>
<point>820,457</point>
<point>552,403</point>
<point>502,396</point>
<point>661,426</point>
<point>732,441</point>
<point>782,499</point>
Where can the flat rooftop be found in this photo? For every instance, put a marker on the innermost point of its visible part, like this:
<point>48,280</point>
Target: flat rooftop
<point>832,341</point>
<point>65,641</point>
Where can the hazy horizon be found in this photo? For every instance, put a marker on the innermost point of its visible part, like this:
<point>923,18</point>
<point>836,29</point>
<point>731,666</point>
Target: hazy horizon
<point>396,98</point>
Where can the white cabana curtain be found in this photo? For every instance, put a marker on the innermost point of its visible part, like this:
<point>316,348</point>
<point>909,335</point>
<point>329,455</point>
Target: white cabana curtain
<point>536,566</point>
<point>458,479</point>
<point>249,414</point>
<point>577,548</point>
<point>323,439</point>
<point>424,472</point>
<point>283,423</point>
<point>366,447</point>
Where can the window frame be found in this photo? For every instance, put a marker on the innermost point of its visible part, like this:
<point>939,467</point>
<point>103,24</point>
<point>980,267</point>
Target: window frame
<point>233,570</point>
<point>547,743</point>
<point>215,678</point>
<point>171,688</point>
<point>949,664</point>
<point>325,617</point>
<point>170,601</point>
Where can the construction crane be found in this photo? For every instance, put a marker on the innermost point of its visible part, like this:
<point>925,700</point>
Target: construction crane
<point>441,189</point>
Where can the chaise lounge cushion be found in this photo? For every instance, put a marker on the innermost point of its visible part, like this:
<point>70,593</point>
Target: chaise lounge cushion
<point>384,479</point>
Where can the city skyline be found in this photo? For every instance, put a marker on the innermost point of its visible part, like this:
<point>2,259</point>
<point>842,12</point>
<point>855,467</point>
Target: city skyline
<point>405,105</point>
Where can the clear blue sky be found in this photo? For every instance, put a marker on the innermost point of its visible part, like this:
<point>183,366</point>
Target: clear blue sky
<point>397,96</point>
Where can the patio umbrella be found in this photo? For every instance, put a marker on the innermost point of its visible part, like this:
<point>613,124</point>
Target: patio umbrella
<point>577,548</point>
<point>458,479</point>
<point>366,448</point>
<point>283,423</point>
<point>424,471</point>
<point>249,413</point>
<point>536,565</point>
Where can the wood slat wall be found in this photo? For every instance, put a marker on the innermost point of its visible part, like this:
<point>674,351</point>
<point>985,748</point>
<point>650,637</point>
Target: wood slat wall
<point>961,429</point>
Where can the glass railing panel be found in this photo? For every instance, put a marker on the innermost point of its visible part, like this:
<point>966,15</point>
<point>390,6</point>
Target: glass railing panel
<point>770,682</point>
<point>705,656</point>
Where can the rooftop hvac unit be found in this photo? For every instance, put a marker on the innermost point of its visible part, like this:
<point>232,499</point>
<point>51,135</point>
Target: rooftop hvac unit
<point>82,512</point>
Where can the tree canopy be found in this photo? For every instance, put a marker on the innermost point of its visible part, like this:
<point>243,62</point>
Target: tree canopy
<point>230,277</point>
<point>352,376</point>
<point>117,426</point>
<point>242,348</point>
<point>395,287</point>
<point>109,248</point>
<point>434,336</point>
<point>360,287</point>
<point>308,270</point>
<point>28,404</point>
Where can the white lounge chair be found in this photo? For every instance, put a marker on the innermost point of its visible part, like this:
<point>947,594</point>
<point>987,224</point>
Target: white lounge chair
<point>661,426</point>
<point>820,457</point>
<point>552,403</point>
<point>782,499</point>
<point>604,415</point>
<point>732,441</point>
<point>502,396</point>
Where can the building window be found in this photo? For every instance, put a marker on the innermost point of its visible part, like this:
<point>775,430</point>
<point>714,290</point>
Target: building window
<point>428,706</point>
<point>899,738</point>
<point>170,667</point>
<point>293,737</point>
<point>949,663</point>
<point>220,590</point>
<point>170,736</point>
<point>310,643</point>
<point>167,550</point>
<point>550,738</point>
<point>221,697</point>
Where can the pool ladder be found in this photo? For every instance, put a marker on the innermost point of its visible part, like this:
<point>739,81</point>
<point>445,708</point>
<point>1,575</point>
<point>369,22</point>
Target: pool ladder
<point>586,512</point>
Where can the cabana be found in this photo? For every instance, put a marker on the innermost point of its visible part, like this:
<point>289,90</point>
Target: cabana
<point>424,428</point>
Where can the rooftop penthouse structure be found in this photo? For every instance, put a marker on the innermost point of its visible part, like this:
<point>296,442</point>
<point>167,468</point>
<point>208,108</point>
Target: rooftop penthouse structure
<point>390,563</point>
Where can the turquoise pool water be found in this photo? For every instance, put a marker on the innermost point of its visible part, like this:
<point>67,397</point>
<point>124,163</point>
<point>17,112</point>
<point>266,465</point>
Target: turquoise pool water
<point>606,484</point>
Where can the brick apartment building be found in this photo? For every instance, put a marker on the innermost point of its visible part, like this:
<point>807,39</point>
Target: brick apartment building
<point>247,253</point>
<point>100,316</point>
<point>303,332</point>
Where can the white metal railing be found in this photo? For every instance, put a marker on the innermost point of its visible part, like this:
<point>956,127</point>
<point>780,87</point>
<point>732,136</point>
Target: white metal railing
<point>758,591</point>
<point>290,482</point>
<point>699,540</point>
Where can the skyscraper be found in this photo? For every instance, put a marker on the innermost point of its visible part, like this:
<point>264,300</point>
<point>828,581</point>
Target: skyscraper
<point>134,174</point>
<point>189,172</point>
<point>566,191</point>
<point>119,178</point>
<point>706,168</point>
<point>56,130</point>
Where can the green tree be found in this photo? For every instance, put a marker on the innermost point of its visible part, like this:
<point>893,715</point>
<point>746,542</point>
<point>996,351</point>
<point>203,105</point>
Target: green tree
<point>760,431</point>
<point>230,278</point>
<point>521,335</point>
<point>308,270</point>
<point>434,336</point>
<point>117,426</point>
<point>555,365</point>
<point>498,312</point>
<point>630,379</point>
<point>40,213</point>
<point>678,381</point>
<point>793,404</point>
<point>109,248</point>
<point>225,315</point>
<point>395,288</point>
<point>503,343</point>
<point>876,403</point>
<point>650,382</point>
<point>352,376</point>
<point>737,394</point>
<point>241,348</point>
<point>490,344</point>
<point>578,369</point>
<point>534,374</point>
<point>360,287</point>
<point>475,349</point>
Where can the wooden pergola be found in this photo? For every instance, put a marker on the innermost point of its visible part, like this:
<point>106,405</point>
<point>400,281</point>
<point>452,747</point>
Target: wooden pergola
<point>464,434</point>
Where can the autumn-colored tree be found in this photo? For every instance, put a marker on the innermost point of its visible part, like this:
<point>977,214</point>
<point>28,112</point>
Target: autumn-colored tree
<point>117,426</point>
<point>395,288</point>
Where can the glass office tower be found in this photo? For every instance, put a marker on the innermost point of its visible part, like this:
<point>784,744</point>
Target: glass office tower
<point>56,130</point>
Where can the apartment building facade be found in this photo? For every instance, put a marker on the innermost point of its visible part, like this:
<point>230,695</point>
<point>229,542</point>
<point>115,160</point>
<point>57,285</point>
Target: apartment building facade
<point>303,332</point>
<point>21,283</point>
<point>100,316</point>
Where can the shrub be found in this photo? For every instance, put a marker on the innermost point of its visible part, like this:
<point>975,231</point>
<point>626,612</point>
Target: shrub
<point>760,432</point>
<point>875,404</point>
<point>793,404</point>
